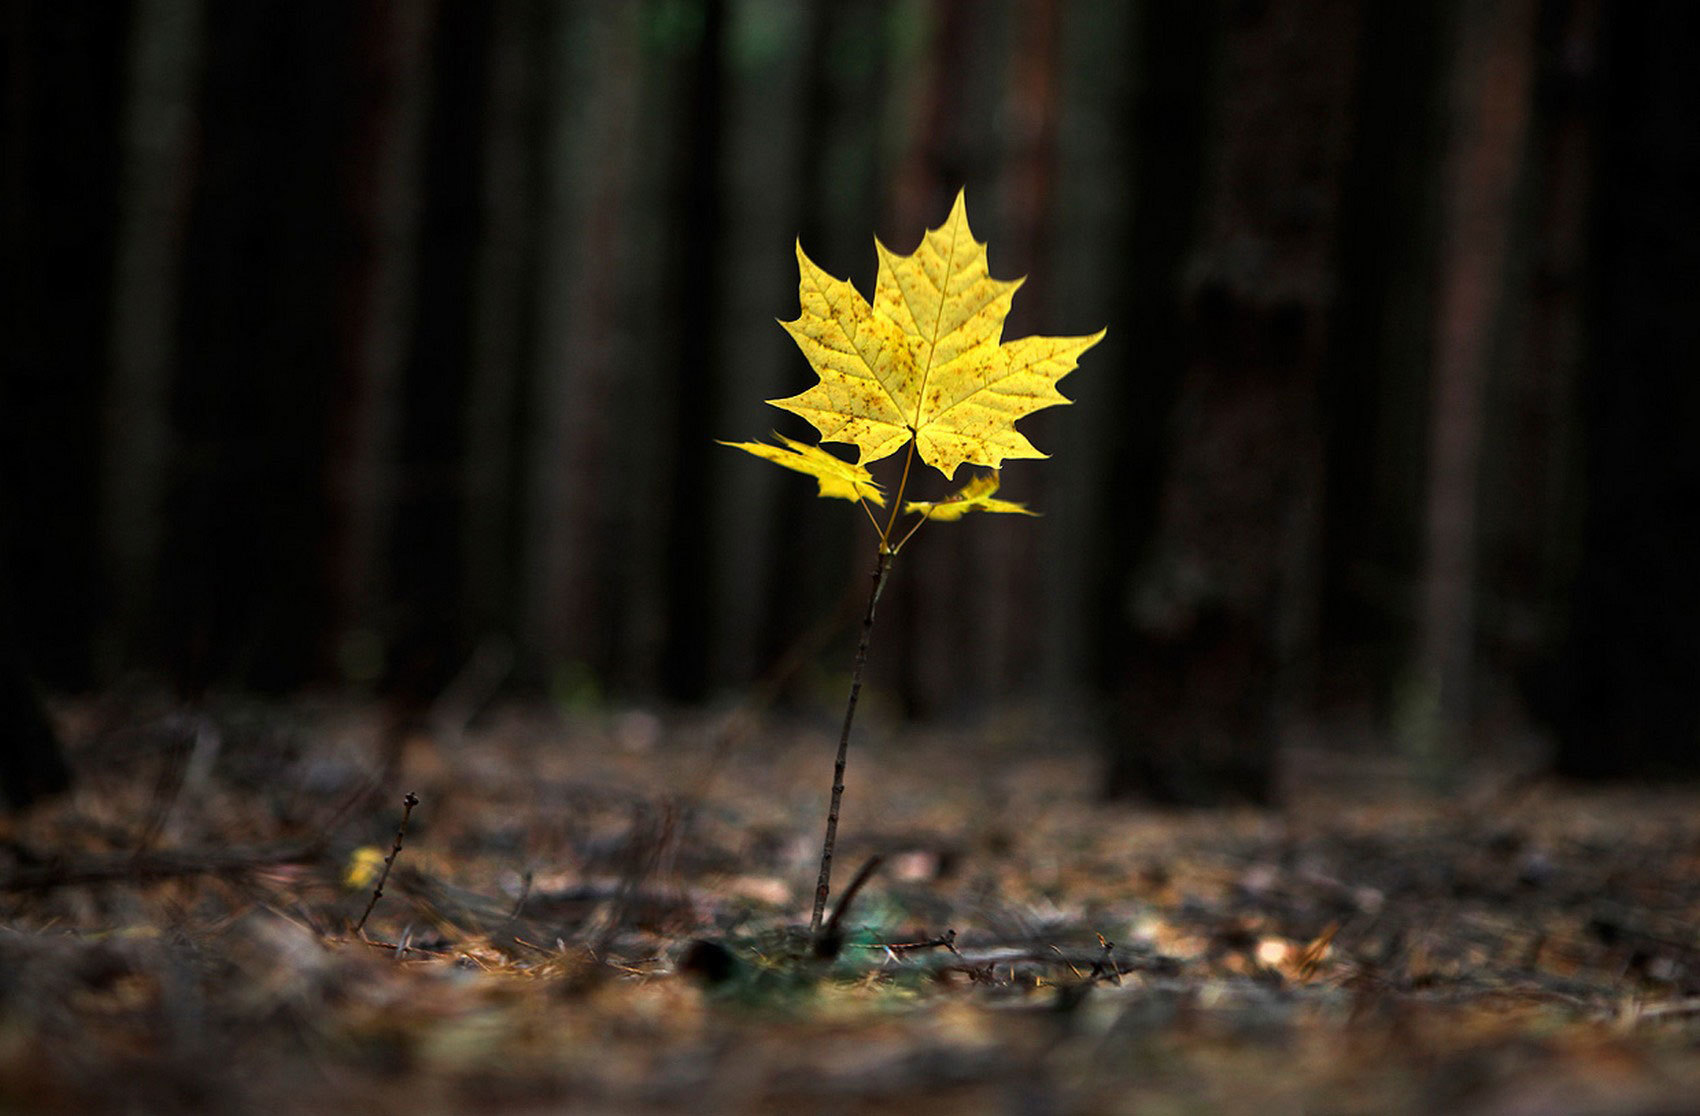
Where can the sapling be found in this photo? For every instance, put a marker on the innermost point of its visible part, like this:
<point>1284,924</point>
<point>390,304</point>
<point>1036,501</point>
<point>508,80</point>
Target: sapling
<point>923,369</point>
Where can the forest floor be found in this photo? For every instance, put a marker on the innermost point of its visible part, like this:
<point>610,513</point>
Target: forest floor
<point>604,914</point>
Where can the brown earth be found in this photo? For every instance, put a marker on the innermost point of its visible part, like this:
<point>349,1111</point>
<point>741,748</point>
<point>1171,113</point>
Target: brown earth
<point>601,913</point>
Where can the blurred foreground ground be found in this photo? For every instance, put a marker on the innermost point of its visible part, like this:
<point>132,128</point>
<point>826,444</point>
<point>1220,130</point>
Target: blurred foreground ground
<point>178,935</point>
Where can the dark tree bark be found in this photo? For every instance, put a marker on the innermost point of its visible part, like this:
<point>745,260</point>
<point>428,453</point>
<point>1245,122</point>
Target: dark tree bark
<point>1490,102</point>
<point>1531,498</point>
<point>163,70</point>
<point>1167,114</point>
<point>430,639</point>
<point>498,423</point>
<point>575,487</point>
<point>818,557</point>
<point>1222,601</point>
<point>1623,698</point>
<point>382,183</point>
<point>692,308</point>
<point>1375,386</point>
<point>58,215</point>
<point>1171,106</point>
<point>246,573</point>
<point>406,326</point>
<point>1003,600</point>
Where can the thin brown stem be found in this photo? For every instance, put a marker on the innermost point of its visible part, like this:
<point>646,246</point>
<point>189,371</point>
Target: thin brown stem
<point>823,887</point>
<point>904,541</point>
<point>897,501</point>
<point>871,518</point>
<point>830,940</point>
<point>408,802</point>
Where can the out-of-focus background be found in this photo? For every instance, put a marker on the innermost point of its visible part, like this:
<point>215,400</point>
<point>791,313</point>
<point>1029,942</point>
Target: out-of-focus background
<point>350,344</point>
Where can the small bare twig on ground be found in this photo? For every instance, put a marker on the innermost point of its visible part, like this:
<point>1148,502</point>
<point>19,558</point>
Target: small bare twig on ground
<point>985,959</point>
<point>1106,968</point>
<point>946,940</point>
<point>1311,958</point>
<point>408,802</point>
<point>897,951</point>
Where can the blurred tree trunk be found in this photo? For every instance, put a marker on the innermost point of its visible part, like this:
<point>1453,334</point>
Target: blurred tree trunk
<point>247,583</point>
<point>506,315</point>
<point>61,119</point>
<point>1531,488</point>
<point>776,133</point>
<point>1623,697</point>
<point>1004,603</point>
<point>1101,277</point>
<point>1492,80</point>
<point>1376,385</point>
<point>821,558</point>
<point>431,637</point>
<point>589,147</point>
<point>1165,163</point>
<point>927,601</point>
<point>157,149</point>
<point>1223,602</point>
<point>376,292</point>
<point>961,608</point>
<point>690,311</point>
<point>58,218</point>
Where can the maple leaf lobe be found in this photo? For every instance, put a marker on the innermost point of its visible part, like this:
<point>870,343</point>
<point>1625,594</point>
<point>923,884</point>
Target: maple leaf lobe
<point>837,478</point>
<point>977,495</point>
<point>926,359</point>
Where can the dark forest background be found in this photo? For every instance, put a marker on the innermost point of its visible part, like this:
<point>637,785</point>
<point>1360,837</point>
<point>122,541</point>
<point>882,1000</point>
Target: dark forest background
<point>349,344</point>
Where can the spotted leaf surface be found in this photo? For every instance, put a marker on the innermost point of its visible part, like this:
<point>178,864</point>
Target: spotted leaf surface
<point>976,495</point>
<point>926,360</point>
<point>838,478</point>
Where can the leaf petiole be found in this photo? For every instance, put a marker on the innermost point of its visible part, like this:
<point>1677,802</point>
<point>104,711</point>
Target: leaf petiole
<point>902,487</point>
<point>904,541</point>
<point>871,517</point>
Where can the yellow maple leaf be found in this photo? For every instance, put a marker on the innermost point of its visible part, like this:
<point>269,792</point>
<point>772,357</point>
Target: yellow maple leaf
<point>976,495</point>
<point>363,866</point>
<point>926,359</point>
<point>838,478</point>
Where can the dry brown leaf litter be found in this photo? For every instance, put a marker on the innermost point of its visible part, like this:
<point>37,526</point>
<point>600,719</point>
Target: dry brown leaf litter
<point>1533,949</point>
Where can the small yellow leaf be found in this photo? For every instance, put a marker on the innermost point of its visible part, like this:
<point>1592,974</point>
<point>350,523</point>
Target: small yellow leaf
<point>976,495</point>
<point>926,359</point>
<point>364,864</point>
<point>838,478</point>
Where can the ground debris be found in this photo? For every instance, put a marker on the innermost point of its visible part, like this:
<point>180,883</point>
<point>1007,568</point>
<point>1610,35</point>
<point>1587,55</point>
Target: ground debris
<point>576,923</point>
